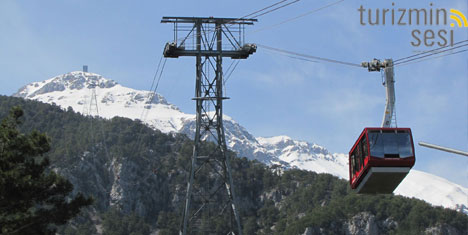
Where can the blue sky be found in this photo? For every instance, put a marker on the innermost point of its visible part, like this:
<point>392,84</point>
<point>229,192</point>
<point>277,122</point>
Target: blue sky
<point>328,104</point>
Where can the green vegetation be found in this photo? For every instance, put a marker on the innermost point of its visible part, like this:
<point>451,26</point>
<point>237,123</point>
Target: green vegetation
<point>116,223</point>
<point>153,171</point>
<point>32,199</point>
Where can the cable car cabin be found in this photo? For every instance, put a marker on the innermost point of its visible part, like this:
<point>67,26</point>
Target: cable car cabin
<point>380,159</point>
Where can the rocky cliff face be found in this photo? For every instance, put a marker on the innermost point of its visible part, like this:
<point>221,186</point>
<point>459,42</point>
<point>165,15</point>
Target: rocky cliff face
<point>366,223</point>
<point>133,184</point>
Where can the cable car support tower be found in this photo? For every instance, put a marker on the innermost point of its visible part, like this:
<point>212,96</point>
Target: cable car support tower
<point>210,172</point>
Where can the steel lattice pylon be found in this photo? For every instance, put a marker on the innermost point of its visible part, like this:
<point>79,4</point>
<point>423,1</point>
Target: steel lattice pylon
<point>210,171</point>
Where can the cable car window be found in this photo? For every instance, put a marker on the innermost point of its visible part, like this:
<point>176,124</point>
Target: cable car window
<point>359,152</point>
<point>356,164</point>
<point>364,147</point>
<point>353,164</point>
<point>376,144</point>
<point>404,144</point>
<point>390,140</point>
<point>356,158</point>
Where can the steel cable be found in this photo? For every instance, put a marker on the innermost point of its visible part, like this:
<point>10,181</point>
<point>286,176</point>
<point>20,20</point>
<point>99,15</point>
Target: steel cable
<point>309,56</point>
<point>435,53</point>
<point>411,56</point>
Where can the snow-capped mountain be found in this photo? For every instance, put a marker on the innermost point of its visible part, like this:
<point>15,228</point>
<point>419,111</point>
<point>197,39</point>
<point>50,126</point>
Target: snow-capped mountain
<point>75,90</point>
<point>304,155</point>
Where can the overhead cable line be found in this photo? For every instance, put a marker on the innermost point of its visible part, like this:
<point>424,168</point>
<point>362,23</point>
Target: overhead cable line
<point>229,73</point>
<point>294,57</point>
<point>257,13</point>
<point>448,54</point>
<point>265,8</point>
<point>274,9</point>
<point>145,112</point>
<point>153,92</point>
<point>412,59</point>
<point>435,53</point>
<point>309,56</point>
<point>304,59</point>
<point>149,97</point>
<point>299,16</point>
<point>229,68</point>
<point>425,52</point>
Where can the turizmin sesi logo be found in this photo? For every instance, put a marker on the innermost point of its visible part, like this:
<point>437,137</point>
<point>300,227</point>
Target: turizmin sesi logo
<point>436,18</point>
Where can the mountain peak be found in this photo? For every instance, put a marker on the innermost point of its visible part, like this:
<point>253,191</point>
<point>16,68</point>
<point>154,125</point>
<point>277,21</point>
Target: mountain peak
<point>76,80</point>
<point>274,139</point>
<point>283,141</point>
<point>92,94</point>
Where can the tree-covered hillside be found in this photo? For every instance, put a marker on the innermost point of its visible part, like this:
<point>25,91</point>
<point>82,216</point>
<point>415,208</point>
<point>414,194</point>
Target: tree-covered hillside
<point>137,177</point>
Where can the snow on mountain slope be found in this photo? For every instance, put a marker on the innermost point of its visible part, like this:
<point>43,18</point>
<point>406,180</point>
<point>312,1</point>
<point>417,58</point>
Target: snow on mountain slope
<point>75,90</point>
<point>239,140</point>
<point>305,155</point>
<point>435,190</point>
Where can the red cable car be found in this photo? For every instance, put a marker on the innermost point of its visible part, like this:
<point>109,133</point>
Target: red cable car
<point>382,156</point>
<point>380,159</point>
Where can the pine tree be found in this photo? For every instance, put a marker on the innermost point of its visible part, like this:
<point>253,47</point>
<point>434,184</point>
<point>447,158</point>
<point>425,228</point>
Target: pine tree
<point>33,198</point>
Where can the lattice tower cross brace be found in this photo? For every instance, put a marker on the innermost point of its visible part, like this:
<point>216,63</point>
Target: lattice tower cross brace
<point>209,94</point>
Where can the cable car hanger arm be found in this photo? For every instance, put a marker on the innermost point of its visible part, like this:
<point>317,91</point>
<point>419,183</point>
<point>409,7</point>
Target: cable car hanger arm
<point>389,83</point>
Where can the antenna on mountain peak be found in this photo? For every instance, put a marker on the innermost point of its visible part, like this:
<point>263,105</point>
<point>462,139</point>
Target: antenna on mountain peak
<point>85,68</point>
